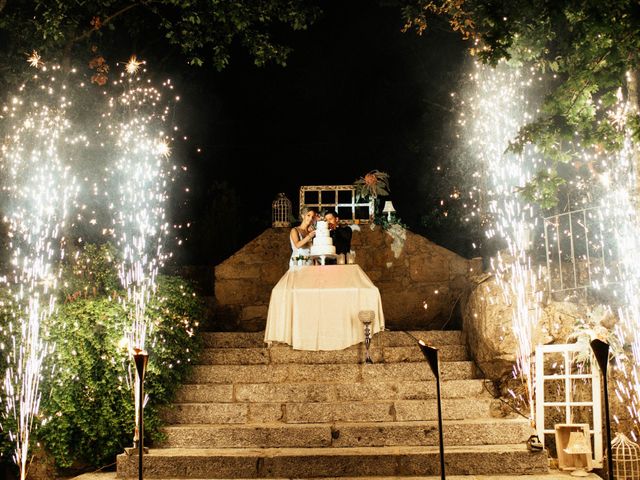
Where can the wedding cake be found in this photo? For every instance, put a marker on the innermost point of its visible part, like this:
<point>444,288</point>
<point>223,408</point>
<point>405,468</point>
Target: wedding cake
<point>322,243</point>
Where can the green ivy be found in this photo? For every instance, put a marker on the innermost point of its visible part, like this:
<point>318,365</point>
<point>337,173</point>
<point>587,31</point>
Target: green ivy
<point>87,407</point>
<point>386,222</point>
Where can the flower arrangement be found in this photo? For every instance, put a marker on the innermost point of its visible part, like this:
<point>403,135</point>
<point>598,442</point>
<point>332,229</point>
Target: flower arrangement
<point>599,324</point>
<point>301,260</point>
<point>372,184</point>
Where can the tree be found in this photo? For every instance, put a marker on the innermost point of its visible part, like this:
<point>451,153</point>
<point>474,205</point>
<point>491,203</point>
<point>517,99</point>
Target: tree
<point>202,31</point>
<point>589,49</point>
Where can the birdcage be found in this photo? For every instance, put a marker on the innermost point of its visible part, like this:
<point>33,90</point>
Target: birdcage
<point>626,458</point>
<point>281,211</point>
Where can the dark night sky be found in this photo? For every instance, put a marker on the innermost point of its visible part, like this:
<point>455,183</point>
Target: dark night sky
<point>357,94</point>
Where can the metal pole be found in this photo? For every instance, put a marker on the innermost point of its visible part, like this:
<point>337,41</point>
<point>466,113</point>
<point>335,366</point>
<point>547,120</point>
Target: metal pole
<point>431,354</point>
<point>601,352</point>
<point>140,430</point>
<point>140,357</point>
<point>440,429</point>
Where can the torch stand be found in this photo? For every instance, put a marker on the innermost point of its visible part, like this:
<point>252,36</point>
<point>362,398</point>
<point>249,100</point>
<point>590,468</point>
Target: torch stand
<point>431,354</point>
<point>601,352</point>
<point>140,357</point>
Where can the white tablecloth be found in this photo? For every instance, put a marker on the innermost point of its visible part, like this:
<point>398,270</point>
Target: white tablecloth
<point>316,307</point>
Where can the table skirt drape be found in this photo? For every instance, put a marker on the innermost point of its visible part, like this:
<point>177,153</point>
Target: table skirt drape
<point>316,307</point>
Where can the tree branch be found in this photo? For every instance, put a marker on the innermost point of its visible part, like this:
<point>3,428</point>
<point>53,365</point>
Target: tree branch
<point>108,19</point>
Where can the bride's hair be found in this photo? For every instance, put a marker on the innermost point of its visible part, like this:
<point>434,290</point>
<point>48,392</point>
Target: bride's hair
<point>306,210</point>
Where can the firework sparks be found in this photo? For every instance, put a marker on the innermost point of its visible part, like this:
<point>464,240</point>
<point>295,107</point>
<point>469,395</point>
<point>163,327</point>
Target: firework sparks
<point>136,120</point>
<point>133,65</point>
<point>497,109</point>
<point>598,232</point>
<point>41,158</point>
<point>40,188</point>
<point>35,60</point>
<point>621,205</point>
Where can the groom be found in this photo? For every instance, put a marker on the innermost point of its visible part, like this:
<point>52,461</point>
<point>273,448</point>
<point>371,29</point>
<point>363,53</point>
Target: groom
<point>341,234</point>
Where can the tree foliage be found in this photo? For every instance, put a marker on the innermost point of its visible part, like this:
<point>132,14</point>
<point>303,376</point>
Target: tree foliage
<point>203,31</point>
<point>587,49</point>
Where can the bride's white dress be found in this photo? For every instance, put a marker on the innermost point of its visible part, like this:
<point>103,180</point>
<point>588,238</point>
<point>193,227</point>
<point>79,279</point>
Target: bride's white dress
<point>299,252</point>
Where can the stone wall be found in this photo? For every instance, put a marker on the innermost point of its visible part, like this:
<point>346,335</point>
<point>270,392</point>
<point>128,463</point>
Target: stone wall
<point>420,282</point>
<point>487,324</point>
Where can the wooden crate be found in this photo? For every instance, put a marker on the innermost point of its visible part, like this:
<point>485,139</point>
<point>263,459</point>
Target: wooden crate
<point>572,461</point>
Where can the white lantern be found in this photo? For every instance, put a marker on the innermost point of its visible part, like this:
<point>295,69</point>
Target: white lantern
<point>626,458</point>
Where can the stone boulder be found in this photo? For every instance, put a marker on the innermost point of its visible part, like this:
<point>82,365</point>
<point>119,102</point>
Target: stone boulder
<point>488,325</point>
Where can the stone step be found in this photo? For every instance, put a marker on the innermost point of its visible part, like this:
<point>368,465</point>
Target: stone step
<point>387,338</point>
<point>330,373</point>
<point>332,462</point>
<point>355,354</point>
<point>550,475</point>
<point>328,392</point>
<point>372,434</point>
<point>325,412</point>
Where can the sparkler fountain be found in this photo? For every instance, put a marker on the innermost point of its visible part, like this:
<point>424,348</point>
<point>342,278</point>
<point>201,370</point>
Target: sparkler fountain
<point>621,204</point>
<point>35,157</point>
<point>136,120</point>
<point>497,107</point>
<point>49,140</point>
<point>499,104</point>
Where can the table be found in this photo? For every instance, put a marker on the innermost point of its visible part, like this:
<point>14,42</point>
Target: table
<point>316,307</point>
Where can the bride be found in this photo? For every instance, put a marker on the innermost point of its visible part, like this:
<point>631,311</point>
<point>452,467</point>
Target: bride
<point>301,236</point>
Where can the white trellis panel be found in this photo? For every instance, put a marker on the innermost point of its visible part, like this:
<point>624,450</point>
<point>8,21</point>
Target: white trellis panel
<point>567,351</point>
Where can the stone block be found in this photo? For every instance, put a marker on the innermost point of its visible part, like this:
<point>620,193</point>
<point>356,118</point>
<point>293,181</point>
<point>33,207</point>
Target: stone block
<point>353,354</point>
<point>238,373</point>
<point>203,393</point>
<point>339,412</point>
<point>417,372</point>
<point>239,292</point>
<point>247,436</point>
<point>233,270</point>
<point>328,463</point>
<point>458,266</point>
<point>190,413</point>
<point>234,356</point>
<point>334,373</point>
<point>285,392</point>
<point>266,412</point>
<point>476,266</point>
<point>425,268</point>
<point>251,312</point>
<point>452,409</point>
<point>271,272</point>
<point>233,339</point>
<point>476,460</point>
<point>430,337</point>
<point>459,283</point>
<point>463,432</point>
<point>357,392</point>
<point>446,353</point>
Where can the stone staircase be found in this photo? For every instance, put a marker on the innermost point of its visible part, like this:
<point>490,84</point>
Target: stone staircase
<point>254,412</point>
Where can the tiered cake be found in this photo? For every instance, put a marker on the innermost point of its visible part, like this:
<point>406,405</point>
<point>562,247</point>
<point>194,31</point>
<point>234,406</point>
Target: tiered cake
<point>322,243</point>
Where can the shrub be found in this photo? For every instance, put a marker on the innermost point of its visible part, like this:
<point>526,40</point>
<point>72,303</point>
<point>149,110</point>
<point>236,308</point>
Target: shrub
<point>87,406</point>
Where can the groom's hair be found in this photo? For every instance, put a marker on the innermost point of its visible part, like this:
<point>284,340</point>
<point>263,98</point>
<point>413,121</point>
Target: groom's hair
<point>332,212</point>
